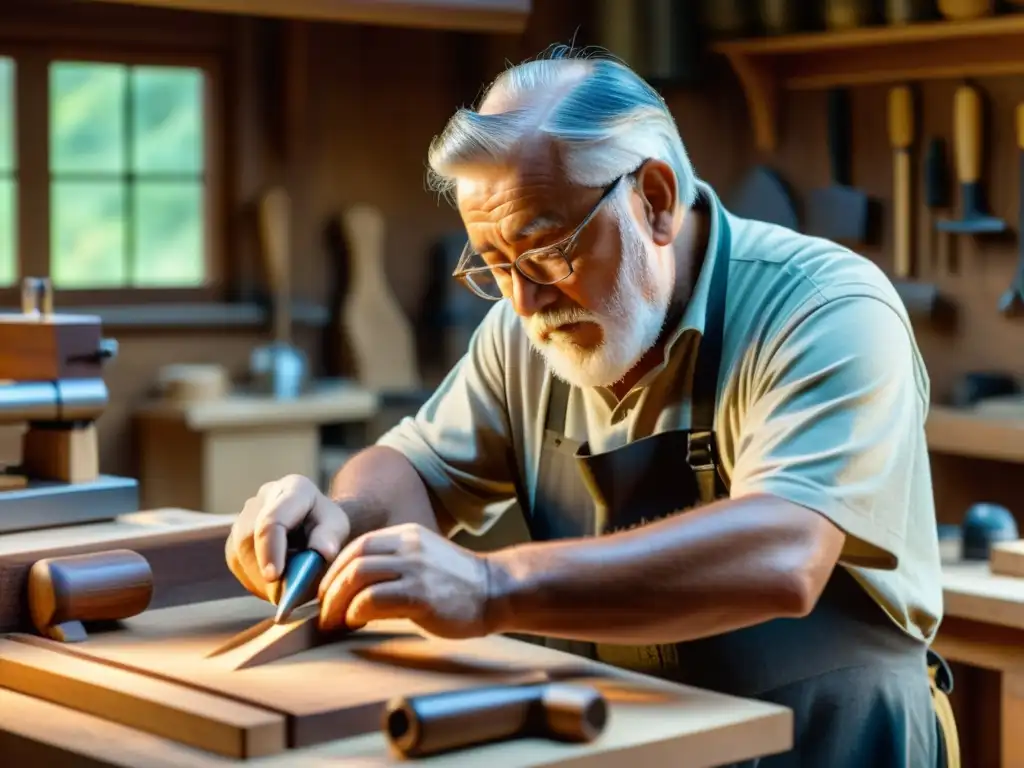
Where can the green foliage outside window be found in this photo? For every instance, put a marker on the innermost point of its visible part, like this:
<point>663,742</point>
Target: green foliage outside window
<point>127,176</point>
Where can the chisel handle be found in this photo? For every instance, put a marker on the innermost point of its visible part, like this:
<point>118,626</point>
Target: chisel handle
<point>901,136</point>
<point>967,134</point>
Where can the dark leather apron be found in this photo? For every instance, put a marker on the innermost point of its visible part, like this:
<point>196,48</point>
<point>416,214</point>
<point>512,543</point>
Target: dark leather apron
<point>857,685</point>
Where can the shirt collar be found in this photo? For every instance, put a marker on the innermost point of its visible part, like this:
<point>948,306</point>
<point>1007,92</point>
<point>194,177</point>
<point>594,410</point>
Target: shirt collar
<point>696,307</point>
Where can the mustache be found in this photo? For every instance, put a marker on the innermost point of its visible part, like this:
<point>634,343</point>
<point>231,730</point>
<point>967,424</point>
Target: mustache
<point>545,322</point>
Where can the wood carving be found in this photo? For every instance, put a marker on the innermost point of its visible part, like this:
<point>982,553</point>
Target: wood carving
<point>64,592</point>
<point>266,641</point>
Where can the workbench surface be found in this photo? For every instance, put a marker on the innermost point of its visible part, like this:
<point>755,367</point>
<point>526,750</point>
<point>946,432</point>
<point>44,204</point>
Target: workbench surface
<point>971,591</point>
<point>650,722</point>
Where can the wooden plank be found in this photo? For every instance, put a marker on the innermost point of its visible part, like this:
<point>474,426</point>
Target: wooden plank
<point>339,690</point>
<point>192,717</point>
<point>185,550</point>
<point>1006,558</point>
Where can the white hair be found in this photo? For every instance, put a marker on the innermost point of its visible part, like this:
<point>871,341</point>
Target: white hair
<point>606,120</point>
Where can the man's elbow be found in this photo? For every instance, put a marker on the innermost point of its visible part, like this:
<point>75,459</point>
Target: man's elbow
<point>811,561</point>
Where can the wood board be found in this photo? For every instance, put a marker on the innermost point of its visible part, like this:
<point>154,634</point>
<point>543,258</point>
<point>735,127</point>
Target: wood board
<point>1006,558</point>
<point>194,718</point>
<point>327,692</point>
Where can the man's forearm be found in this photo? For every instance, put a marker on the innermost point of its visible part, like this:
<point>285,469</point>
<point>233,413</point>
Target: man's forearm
<point>711,570</point>
<point>379,487</point>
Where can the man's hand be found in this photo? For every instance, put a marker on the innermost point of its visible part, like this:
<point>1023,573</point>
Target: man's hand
<point>258,543</point>
<point>407,572</point>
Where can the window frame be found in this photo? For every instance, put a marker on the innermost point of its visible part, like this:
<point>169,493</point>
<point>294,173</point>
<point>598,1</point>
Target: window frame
<point>32,190</point>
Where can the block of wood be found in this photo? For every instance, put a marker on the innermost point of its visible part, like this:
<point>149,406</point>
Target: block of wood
<point>185,550</point>
<point>331,698</point>
<point>48,347</point>
<point>1006,558</point>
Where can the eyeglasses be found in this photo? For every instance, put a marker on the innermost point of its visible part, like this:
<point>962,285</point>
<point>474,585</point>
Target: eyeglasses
<point>543,266</point>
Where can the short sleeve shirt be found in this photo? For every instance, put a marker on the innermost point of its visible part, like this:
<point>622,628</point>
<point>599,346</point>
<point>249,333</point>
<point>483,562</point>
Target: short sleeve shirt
<point>822,399</point>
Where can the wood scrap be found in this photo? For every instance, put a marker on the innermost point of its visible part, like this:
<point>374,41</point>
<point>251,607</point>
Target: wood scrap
<point>1006,558</point>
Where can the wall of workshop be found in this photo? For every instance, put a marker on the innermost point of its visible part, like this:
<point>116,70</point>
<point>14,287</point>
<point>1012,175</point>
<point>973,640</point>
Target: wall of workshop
<point>980,270</point>
<point>375,97</point>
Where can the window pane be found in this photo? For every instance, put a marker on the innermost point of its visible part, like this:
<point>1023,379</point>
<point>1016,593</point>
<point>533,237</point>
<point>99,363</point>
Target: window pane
<point>169,234</point>
<point>87,234</point>
<point>87,117</point>
<point>7,232</point>
<point>167,120</point>
<point>6,115</point>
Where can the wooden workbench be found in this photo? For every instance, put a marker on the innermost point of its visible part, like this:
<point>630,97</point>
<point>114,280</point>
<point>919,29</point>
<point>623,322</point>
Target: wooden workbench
<point>650,723</point>
<point>983,628</point>
<point>214,454</point>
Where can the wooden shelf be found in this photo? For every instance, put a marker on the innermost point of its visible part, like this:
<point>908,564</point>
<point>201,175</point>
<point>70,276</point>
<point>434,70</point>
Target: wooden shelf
<point>965,433</point>
<point>813,61</point>
<point>505,16</point>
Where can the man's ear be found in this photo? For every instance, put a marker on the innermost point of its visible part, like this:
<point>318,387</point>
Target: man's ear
<point>656,184</point>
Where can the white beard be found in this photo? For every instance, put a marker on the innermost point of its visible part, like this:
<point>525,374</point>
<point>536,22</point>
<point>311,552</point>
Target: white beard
<point>631,320</point>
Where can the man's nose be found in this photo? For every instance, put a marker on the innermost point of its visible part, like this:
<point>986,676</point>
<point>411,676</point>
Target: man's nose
<point>529,298</point>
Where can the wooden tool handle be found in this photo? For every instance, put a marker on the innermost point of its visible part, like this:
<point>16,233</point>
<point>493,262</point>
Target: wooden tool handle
<point>427,725</point>
<point>1020,126</point>
<point>63,592</point>
<point>967,133</point>
<point>275,219</point>
<point>901,117</point>
<point>901,136</point>
<point>364,226</point>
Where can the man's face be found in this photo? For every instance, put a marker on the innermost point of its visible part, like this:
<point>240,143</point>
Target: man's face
<point>595,325</point>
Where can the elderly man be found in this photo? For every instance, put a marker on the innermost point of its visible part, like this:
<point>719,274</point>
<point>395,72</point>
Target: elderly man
<point>714,427</point>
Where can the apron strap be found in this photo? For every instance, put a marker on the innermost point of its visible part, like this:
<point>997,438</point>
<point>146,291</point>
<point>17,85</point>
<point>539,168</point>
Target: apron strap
<point>702,447</point>
<point>558,404</point>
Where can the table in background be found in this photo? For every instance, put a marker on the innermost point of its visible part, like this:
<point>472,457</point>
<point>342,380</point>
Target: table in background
<point>983,628</point>
<point>214,454</point>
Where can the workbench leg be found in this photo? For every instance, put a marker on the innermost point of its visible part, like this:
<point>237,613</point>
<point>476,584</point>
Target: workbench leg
<point>1011,718</point>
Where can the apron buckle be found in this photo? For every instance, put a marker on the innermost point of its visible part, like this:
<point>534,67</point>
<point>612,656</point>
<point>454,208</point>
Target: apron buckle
<point>700,452</point>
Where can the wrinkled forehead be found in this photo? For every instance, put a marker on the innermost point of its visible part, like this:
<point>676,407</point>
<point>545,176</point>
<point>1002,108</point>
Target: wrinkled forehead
<point>527,194</point>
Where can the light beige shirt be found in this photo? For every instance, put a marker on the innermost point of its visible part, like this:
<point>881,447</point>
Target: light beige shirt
<point>822,400</point>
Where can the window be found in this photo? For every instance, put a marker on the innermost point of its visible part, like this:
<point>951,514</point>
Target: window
<point>127,191</point>
<point>8,155</point>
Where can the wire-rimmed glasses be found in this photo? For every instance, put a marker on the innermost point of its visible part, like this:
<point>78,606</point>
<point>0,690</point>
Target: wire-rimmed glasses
<point>543,266</point>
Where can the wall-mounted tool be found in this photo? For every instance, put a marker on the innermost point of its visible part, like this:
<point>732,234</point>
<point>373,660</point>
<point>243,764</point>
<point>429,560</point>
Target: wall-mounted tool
<point>420,726</point>
<point>1011,303</point>
<point>901,137</point>
<point>967,131</point>
<point>838,212</point>
<point>936,196</point>
<point>279,368</point>
<point>762,195</point>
